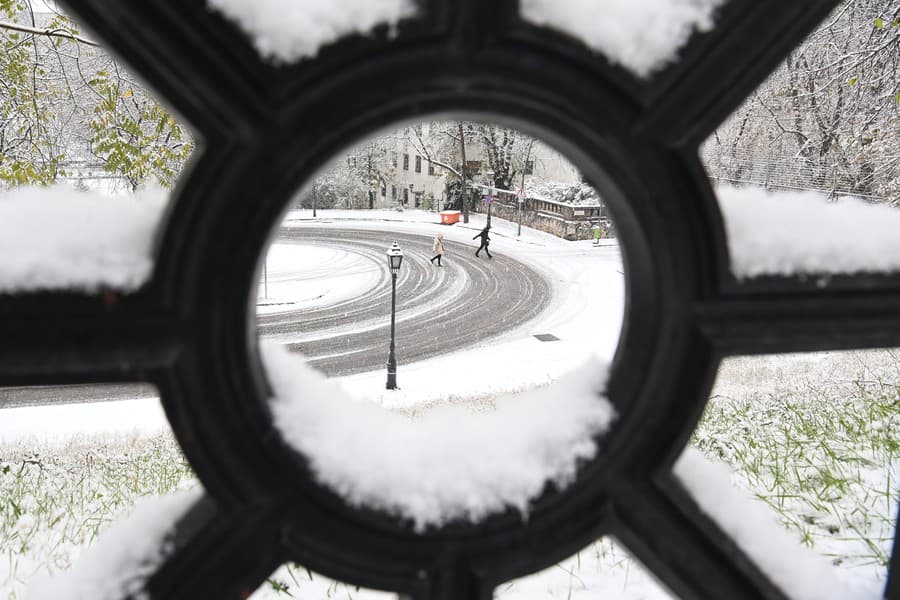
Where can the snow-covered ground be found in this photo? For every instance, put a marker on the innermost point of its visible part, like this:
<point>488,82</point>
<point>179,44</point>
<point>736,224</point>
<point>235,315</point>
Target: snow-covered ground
<point>585,314</point>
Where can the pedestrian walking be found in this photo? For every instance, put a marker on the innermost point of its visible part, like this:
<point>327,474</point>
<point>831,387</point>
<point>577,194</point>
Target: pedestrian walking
<point>438,248</point>
<point>485,242</point>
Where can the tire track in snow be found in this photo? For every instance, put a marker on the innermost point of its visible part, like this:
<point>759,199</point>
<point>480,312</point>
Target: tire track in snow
<point>439,310</point>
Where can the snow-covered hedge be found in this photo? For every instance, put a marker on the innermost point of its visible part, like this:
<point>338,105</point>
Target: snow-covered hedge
<point>581,194</point>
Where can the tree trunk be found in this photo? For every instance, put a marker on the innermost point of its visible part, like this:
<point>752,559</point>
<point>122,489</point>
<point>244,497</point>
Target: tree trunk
<point>463,171</point>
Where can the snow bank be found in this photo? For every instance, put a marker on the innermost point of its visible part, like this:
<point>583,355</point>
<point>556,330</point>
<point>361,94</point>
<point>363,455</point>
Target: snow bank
<point>125,556</point>
<point>448,464</point>
<point>60,422</point>
<point>797,570</point>
<point>60,238</point>
<point>641,35</point>
<point>287,31</point>
<point>789,233</point>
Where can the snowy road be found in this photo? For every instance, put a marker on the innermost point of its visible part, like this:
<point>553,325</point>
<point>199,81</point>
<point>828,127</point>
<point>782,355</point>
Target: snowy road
<point>439,310</point>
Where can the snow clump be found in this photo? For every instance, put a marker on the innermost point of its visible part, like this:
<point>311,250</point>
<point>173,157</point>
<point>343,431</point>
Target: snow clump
<point>54,238</point>
<point>285,31</point>
<point>125,556</point>
<point>641,35</point>
<point>449,463</point>
<point>798,571</point>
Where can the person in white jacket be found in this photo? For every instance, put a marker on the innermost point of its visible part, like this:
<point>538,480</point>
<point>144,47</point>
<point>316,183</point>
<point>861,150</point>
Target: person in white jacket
<point>438,248</point>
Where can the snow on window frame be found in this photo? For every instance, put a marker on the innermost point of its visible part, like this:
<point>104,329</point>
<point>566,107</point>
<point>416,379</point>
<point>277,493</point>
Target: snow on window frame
<point>448,464</point>
<point>797,233</point>
<point>273,25</point>
<point>59,238</point>
<point>642,36</point>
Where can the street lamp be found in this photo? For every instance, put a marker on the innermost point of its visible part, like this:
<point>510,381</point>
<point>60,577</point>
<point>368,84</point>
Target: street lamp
<point>395,257</point>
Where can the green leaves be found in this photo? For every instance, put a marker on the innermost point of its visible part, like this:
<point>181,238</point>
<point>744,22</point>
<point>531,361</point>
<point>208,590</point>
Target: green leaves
<point>134,136</point>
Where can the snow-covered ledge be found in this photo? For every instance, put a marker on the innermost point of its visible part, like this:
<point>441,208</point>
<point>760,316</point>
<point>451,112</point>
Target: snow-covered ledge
<point>449,463</point>
<point>641,35</point>
<point>125,556</point>
<point>800,572</point>
<point>796,233</point>
<point>58,238</point>
<point>285,32</point>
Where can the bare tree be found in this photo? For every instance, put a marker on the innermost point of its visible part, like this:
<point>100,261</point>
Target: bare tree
<point>827,118</point>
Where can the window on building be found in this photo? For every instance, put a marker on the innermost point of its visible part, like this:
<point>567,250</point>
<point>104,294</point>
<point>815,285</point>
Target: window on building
<point>383,190</point>
<point>418,164</point>
<point>406,162</point>
<point>529,167</point>
<point>431,168</point>
<point>405,196</point>
<point>393,192</point>
<point>394,160</point>
<point>473,166</point>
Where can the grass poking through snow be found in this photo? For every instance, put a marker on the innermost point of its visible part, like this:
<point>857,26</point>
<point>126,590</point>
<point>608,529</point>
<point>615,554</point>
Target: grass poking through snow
<point>814,436</point>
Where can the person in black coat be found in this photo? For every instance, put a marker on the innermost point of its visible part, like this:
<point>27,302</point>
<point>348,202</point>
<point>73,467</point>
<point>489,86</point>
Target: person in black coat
<point>485,242</point>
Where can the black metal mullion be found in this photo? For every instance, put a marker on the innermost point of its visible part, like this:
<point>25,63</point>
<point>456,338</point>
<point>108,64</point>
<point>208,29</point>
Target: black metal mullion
<point>479,23</point>
<point>684,548</point>
<point>453,579</point>
<point>803,322</point>
<point>47,343</point>
<point>220,555</point>
<point>892,586</point>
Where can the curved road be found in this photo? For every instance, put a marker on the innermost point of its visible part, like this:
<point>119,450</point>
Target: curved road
<point>439,310</point>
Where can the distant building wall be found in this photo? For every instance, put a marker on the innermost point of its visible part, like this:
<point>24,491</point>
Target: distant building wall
<point>566,221</point>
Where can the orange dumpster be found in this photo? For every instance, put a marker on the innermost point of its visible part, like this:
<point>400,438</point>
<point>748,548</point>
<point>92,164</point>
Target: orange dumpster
<point>449,217</point>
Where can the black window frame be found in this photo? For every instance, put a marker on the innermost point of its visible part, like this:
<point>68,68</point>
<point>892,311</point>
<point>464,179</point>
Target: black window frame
<point>187,330</point>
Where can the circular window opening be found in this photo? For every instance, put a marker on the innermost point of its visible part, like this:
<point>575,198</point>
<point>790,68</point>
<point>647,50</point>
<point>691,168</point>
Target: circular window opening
<point>437,310</point>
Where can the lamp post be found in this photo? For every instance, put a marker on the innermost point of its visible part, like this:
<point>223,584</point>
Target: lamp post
<point>395,257</point>
<point>520,199</point>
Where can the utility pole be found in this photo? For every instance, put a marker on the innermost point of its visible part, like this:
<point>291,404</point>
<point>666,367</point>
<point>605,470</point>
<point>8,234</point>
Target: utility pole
<point>520,200</point>
<point>463,171</point>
